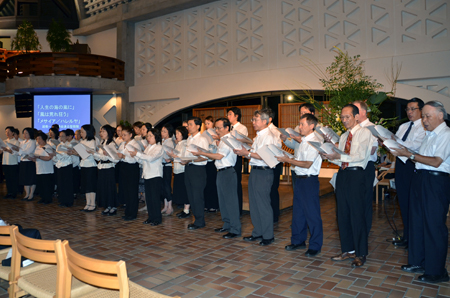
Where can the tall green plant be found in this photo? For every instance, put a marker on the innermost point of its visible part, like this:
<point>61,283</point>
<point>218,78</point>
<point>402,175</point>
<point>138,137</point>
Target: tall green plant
<point>58,37</point>
<point>26,39</point>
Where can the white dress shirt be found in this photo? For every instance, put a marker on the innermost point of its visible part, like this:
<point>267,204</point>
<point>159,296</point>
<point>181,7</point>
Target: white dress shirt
<point>200,141</point>
<point>263,138</point>
<point>229,157</point>
<point>306,152</point>
<point>62,159</point>
<point>8,158</point>
<point>415,136</point>
<point>241,128</point>
<point>151,161</point>
<point>42,166</point>
<point>89,161</point>
<point>360,148</point>
<point>276,133</point>
<point>122,149</point>
<point>99,156</point>
<point>168,142</point>
<point>178,168</point>
<point>437,144</point>
<point>374,156</point>
<point>26,147</point>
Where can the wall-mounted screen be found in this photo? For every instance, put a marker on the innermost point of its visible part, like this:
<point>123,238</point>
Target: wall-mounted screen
<point>68,111</point>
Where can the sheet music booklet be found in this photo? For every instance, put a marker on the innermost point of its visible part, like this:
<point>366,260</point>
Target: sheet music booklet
<point>324,130</point>
<point>278,152</point>
<point>326,148</point>
<point>268,156</point>
<point>234,143</point>
<point>81,150</point>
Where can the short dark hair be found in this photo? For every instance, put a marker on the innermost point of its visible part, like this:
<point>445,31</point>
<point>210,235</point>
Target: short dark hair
<point>271,113</point>
<point>16,131</point>
<point>110,131</point>
<point>169,128</point>
<point>129,130</point>
<point>236,111</point>
<point>225,122</point>
<point>309,106</point>
<point>55,131</point>
<point>43,136</point>
<point>55,125</point>
<point>69,132</point>
<point>355,110</point>
<point>90,131</point>
<point>197,121</point>
<point>419,102</point>
<point>30,132</point>
<point>310,119</point>
<point>184,132</point>
<point>11,128</point>
<point>138,124</point>
<point>157,133</point>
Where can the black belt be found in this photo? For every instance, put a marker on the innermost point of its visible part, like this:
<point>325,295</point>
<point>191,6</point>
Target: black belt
<point>105,161</point>
<point>434,173</point>
<point>166,163</point>
<point>352,169</point>
<point>305,176</point>
<point>223,169</point>
<point>261,168</point>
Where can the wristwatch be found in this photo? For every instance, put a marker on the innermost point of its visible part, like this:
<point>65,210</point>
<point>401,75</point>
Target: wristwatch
<point>249,155</point>
<point>412,157</point>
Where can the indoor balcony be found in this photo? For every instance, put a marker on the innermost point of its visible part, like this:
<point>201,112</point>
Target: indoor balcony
<point>62,72</point>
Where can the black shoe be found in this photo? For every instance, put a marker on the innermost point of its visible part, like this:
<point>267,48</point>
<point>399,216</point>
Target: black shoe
<point>401,242</point>
<point>295,246</point>
<point>185,215</point>
<point>230,236</point>
<point>221,230</point>
<point>155,223</point>
<point>25,199</point>
<point>212,210</point>
<point>114,212</point>
<point>92,210</point>
<point>148,221</point>
<point>252,238</point>
<point>106,211</point>
<point>434,278</point>
<point>312,252</point>
<point>265,242</point>
<point>129,218</point>
<point>413,269</point>
<point>179,213</point>
<point>193,227</point>
<point>83,210</point>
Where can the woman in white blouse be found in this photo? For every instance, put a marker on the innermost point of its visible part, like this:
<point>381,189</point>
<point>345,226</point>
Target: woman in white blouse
<point>167,133</point>
<point>151,160</point>
<point>27,168</point>
<point>106,187</point>
<point>44,168</point>
<point>179,188</point>
<point>129,174</point>
<point>64,179</point>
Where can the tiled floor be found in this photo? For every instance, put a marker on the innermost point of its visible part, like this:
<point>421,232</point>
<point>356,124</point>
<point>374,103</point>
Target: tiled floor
<point>174,261</point>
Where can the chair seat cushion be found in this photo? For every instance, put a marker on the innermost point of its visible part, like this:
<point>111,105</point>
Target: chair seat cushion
<point>136,291</point>
<point>42,284</point>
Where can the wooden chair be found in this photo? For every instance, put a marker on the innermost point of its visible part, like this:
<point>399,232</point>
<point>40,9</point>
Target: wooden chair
<point>382,181</point>
<point>5,239</point>
<point>110,277</point>
<point>46,283</point>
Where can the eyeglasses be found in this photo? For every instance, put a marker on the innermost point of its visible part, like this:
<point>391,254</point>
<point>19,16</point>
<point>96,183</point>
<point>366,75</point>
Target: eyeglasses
<point>411,109</point>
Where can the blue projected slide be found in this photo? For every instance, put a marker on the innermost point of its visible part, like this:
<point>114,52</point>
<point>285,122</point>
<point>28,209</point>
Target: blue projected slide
<point>68,111</point>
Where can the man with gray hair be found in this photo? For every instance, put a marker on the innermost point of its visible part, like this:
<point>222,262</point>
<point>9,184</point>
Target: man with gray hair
<point>260,180</point>
<point>429,199</point>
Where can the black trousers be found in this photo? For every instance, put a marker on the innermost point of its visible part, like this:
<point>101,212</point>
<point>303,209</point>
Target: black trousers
<point>238,169</point>
<point>152,198</point>
<point>274,195</point>
<point>12,178</point>
<point>195,180</point>
<point>76,178</point>
<point>403,176</point>
<point>129,183</point>
<point>351,207</point>
<point>65,185</point>
<point>211,196</point>
<point>369,173</point>
<point>45,184</point>
<point>428,237</point>
<point>166,184</point>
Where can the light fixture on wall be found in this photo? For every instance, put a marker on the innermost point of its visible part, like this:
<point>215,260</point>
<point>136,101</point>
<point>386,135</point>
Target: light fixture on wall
<point>290,97</point>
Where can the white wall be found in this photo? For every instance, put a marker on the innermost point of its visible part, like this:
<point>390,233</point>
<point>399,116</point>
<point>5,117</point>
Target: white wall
<point>103,111</point>
<point>8,118</point>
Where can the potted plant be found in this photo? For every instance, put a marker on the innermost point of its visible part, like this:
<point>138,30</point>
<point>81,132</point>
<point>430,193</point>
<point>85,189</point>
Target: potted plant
<point>26,39</point>
<point>58,37</point>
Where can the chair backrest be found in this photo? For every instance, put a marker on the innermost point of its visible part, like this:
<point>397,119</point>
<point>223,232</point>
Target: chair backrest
<point>99,273</point>
<point>38,250</point>
<point>5,238</point>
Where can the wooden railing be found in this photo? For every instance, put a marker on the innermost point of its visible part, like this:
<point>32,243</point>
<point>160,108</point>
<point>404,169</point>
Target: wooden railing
<point>72,64</point>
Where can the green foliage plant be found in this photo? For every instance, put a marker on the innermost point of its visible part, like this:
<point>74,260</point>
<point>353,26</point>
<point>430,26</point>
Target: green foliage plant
<point>26,39</point>
<point>58,37</point>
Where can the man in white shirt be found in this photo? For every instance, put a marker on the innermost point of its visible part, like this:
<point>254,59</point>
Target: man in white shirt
<point>225,159</point>
<point>356,143</point>
<point>234,115</point>
<point>306,207</point>
<point>429,198</point>
<point>410,135</point>
<point>11,165</point>
<point>274,194</point>
<point>195,174</point>
<point>260,180</point>
<point>369,171</point>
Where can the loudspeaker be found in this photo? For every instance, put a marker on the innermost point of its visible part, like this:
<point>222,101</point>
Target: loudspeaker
<point>24,105</point>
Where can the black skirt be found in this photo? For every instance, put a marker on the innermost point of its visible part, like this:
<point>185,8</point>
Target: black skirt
<point>179,190</point>
<point>27,173</point>
<point>106,188</point>
<point>88,180</point>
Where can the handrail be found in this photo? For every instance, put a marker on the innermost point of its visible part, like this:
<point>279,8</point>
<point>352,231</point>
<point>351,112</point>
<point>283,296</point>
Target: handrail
<point>72,64</point>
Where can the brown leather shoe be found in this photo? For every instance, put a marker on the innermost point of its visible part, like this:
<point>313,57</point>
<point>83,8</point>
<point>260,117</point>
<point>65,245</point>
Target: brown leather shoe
<point>343,256</point>
<point>358,261</point>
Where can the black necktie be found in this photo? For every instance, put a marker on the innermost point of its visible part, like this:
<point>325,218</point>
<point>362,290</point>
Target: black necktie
<point>407,131</point>
<point>231,127</point>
